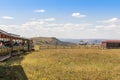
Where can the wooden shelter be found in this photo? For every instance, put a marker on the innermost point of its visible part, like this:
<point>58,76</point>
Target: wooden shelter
<point>111,44</point>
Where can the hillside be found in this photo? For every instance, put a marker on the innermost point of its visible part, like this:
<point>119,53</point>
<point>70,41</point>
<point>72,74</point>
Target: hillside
<point>50,41</point>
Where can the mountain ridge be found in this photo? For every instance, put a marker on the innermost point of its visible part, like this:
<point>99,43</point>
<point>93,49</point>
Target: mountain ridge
<point>50,41</point>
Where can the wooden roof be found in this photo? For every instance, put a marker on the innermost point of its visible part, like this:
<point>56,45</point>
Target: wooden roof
<point>111,41</point>
<point>14,36</point>
<point>4,32</point>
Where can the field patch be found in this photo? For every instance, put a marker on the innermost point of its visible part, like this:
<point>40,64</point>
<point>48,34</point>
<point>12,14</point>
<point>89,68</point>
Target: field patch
<point>73,64</point>
<point>63,64</point>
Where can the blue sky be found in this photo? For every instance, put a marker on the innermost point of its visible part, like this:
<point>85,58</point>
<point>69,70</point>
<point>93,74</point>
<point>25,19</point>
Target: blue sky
<point>61,18</point>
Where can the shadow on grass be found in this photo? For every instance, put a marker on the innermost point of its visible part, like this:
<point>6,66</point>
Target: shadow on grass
<point>8,71</point>
<point>12,73</point>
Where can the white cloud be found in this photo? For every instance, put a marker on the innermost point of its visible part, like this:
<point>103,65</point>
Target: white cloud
<point>110,24</point>
<point>50,19</point>
<point>112,20</point>
<point>45,28</point>
<point>78,15</point>
<point>49,27</point>
<point>7,17</point>
<point>44,19</point>
<point>107,27</point>
<point>40,11</point>
<point>46,23</point>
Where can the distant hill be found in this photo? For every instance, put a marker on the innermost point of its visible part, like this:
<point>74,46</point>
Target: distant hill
<point>50,41</point>
<point>89,41</point>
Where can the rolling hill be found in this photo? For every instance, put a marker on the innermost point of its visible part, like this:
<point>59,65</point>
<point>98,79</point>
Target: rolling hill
<point>50,41</point>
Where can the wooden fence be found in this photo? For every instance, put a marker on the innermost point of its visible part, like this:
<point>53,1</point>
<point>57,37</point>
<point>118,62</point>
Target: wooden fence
<point>40,47</point>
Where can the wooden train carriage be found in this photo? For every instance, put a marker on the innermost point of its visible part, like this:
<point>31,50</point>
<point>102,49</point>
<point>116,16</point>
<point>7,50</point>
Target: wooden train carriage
<point>31,45</point>
<point>23,43</point>
<point>16,43</point>
<point>12,44</point>
<point>3,49</point>
<point>26,44</point>
<point>17,48</point>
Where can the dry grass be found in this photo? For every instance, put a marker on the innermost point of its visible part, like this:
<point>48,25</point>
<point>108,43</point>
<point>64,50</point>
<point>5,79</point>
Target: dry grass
<point>73,64</point>
<point>70,64</point>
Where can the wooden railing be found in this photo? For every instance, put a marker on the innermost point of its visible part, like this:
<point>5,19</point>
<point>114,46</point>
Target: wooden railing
<point>68,47</point>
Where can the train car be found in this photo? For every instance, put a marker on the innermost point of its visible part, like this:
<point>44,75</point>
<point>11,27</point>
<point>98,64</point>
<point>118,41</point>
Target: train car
<point>5,50</point>
<point>12,44</point>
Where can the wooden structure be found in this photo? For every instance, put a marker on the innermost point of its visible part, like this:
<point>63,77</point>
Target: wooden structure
<point>13,44</point>
<point>110,44</point>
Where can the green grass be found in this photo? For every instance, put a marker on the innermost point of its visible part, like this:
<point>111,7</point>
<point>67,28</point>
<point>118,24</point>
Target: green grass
<point>69,64</point>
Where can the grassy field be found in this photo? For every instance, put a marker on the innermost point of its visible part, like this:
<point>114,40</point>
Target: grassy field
<point>64,64</point>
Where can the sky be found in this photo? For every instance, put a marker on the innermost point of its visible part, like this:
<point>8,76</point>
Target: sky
<point>76,19</point>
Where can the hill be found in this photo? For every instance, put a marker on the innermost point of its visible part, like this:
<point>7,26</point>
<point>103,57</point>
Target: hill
<point>50,41</point>
<point>89,41</point>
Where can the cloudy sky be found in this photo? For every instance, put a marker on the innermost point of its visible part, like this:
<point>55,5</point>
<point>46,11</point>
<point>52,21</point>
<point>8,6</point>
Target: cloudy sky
<point>61,18</point>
